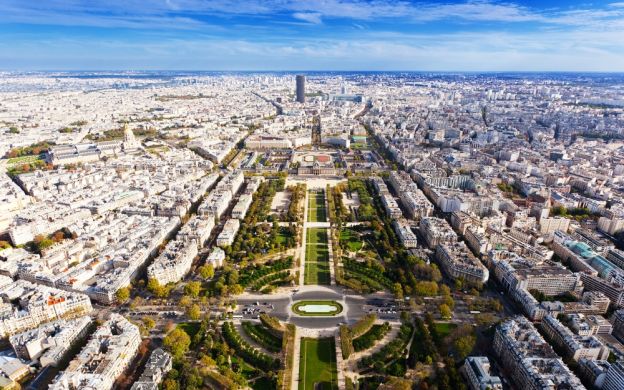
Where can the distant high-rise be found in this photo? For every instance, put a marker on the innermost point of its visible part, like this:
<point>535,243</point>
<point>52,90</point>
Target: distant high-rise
<point>301,88</point>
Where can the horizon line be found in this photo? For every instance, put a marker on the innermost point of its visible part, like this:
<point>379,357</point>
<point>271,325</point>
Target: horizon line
<point>310,71</point>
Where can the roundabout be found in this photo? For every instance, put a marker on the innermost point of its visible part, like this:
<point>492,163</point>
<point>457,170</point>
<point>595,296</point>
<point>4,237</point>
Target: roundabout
<point>317,308</point>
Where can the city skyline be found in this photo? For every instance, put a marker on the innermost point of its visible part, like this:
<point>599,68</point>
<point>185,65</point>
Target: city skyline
<point>327,35</point>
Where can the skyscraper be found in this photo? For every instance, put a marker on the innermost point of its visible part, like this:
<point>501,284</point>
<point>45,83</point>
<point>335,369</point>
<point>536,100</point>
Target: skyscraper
<point>301,88</point>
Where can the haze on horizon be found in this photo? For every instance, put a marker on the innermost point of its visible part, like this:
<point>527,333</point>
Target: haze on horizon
<point>472,35</point>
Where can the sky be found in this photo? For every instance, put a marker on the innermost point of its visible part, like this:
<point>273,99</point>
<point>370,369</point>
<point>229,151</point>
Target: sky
<point>468,35</point>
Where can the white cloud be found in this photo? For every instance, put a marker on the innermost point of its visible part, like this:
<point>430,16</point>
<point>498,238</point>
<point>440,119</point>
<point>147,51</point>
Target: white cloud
<point>310,17</point>
<point>483,51</point>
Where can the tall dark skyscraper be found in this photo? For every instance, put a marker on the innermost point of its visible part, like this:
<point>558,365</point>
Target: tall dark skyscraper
<point>301,88</point>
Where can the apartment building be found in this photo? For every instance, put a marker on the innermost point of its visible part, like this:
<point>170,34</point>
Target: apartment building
<point>615,377</point>
<point>459,263</point>
<point>240,209</point>
<point>530,360</point>
<point>612,289</point>
<point>477,370</point>
<point>228,234</point>
<point>49,343</point>
<point>198,228</point>
<point>589,325</point>
<point>174,262</point>
<point>216,257</point>
<point>37,304</point>
<point>158,365</point>
<point>405,234</point>
<point>575,346</point>
<point>436,231</point>
<point>108,353</point>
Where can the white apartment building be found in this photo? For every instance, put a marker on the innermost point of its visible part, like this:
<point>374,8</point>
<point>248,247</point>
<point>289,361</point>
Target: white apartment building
<point>405,234</point>
<point>38,304</point>
<point>174,262</point>
<point>216,257</point>
<point>458,262</point>
<point>477,370</point>
<point>227,235</point>
<point>576,346</point>
<point>530,359</point>
<point>48,343</point>
<point>106,356</point>
<point>436,231</point>
<point>240,209</point>
<point>198,228</point>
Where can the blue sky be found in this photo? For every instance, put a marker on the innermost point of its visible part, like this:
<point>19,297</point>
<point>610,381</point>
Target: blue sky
<point>470,35</point>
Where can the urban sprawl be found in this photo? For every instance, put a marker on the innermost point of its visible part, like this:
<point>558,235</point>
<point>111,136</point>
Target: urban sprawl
<point>313,231</point>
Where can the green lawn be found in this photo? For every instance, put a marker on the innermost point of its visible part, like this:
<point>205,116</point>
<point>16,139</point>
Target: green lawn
<point>317,364</point>
<point>317,273</point>
<point>444,328</point>
<point>24,159</point>
<point>316,207</point>
<point>282,236</point>
<point>317,257</point>
<point>191,328</point>
<point>317,215</point>
<point>317,253</point>
<point>316,236</point>
<point>316,199</point>
<point>352,240</point>
<point>263,383</point>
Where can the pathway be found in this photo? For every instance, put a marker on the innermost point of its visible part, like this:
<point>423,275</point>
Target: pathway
<point>350,366</point>
<point>239,328</point>
<point>303,245</point>
<point>296,351</point>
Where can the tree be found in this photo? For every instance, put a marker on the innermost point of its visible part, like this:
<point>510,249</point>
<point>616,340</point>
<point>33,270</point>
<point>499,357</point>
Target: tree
<point>445,311</point>
<point>58,236</point>
<point>194,312</point>
<point>185,301</point>
<point>464,345</point>
<point>236,289</point>
<point>42,242</point>
<point>396,384</point>
<point>397,289</point>
<point>136,302</point>
<point>207,361</point>
<point>178,342</point>
<point>149,323</point>
<point>424,288</point>
<point>157,289</point>
<point>206,271</point>
<point>123,294</point>
<point>193,288</point>
<point>170,384</point>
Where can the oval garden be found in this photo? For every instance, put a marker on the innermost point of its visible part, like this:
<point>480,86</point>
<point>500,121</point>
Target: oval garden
<point>323,308</point>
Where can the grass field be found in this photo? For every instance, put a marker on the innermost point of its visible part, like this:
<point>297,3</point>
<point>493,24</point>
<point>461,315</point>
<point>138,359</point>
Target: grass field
<point>191,328</point>
<point>317,253</point>
<point>317,273</point>
<point>316,207</point>
<point>316,236</point>
<point>352,240</point>
<point>317,257</point>
<point>444,328</point>
<point>317,365</point>
<point>317,215</point>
